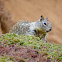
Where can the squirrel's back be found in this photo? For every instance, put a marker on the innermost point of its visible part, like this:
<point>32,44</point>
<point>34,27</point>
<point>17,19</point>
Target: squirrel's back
<point>20,27</point>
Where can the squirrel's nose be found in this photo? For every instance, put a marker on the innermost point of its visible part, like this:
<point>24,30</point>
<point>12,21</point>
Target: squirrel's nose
<point>50,29</point>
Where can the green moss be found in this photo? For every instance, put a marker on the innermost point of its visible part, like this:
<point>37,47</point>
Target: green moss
<point>4,59</point>
<point>53,51</point>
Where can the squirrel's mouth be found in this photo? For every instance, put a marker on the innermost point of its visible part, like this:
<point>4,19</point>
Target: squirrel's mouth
<point>49,30</point>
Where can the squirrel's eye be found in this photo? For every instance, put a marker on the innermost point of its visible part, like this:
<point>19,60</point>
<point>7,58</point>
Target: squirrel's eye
<point>45,23</point>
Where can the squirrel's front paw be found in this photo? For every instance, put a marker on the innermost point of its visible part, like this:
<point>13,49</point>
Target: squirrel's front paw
<point>44,40</point>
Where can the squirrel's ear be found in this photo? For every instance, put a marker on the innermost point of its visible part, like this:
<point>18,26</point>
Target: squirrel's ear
<point>42,18</point>
<point>47,19</point>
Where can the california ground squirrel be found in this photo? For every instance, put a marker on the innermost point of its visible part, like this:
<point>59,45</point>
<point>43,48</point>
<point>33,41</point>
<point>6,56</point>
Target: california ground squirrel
<point>38,28</point>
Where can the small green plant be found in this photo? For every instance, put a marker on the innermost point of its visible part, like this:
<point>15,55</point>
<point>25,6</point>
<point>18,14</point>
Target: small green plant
<point>49,51</point>
<point>4,59</point>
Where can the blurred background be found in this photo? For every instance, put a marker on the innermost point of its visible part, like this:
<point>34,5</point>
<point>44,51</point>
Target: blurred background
<point>11,11</point>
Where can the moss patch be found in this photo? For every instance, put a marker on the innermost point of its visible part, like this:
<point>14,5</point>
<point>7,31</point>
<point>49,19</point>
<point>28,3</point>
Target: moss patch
<point>48,52</point>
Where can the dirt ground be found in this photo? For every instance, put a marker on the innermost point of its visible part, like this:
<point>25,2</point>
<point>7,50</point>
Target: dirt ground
<point>31,10</point>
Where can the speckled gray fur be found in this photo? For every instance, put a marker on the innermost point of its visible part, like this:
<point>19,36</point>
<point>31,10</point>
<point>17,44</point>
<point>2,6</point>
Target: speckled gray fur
<point>37,28</point>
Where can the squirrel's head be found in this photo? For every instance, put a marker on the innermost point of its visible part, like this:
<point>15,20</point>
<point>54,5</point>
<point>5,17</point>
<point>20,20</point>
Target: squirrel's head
<point>44,24</point>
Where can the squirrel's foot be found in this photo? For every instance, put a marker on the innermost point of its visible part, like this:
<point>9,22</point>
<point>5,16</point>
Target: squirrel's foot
<point>45,40</point>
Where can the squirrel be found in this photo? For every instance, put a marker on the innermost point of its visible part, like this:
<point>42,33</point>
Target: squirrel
<point>39,28</point>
